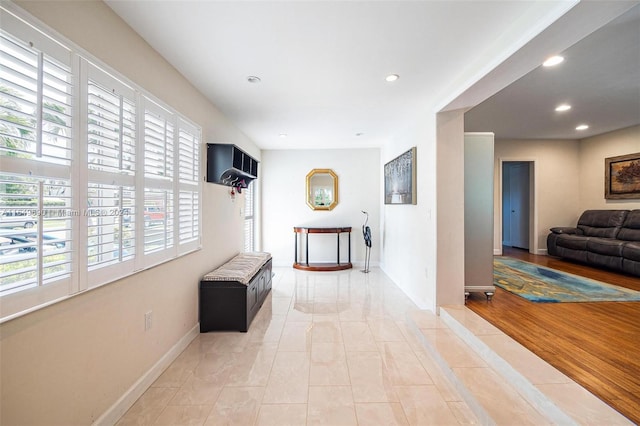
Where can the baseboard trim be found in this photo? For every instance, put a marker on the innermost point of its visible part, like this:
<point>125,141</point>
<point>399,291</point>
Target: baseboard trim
<point>117,410</point>
<point>498,252</point>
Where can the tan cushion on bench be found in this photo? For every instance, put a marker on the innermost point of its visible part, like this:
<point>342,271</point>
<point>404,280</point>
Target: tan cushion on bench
<point>241,268</point>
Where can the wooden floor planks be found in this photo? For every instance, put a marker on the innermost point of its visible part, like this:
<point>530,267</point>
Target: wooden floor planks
<point>596,344</point>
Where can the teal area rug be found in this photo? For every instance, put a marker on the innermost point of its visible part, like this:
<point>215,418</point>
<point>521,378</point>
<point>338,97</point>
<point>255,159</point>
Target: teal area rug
<point>540,284</point>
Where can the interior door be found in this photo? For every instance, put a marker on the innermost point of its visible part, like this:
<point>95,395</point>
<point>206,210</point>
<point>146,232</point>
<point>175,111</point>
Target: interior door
<point>519,204</point>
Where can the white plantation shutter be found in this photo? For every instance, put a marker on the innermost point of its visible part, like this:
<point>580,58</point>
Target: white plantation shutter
<point>98,179</point>
<point>249,227</point>
<point>30,257</point>
<point>188,207</point>
<point>158,221</point>
<point>56,111</point>
<point>159,142</point>
<point>35,101</point>
<point>111,128</point>
<point>18,101</point>
<point>55,240</point>
<point>111,166</point>
<point>110,225</point>
<point>36,122</point>
<point>189,152</point>
<point>189,186</point>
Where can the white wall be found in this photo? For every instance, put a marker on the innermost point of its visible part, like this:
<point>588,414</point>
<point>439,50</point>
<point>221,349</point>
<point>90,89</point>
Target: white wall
<point>409,237</point>
<point>557,173</point>
<point>593,151</point>
<point>68,363</point>
<point>284,204</point>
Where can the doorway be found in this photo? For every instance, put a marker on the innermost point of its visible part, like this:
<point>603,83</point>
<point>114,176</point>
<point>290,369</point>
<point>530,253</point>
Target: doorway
<point>515,204</point>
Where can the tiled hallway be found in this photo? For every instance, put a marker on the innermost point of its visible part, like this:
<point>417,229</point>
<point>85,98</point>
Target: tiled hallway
<point>341,348</point>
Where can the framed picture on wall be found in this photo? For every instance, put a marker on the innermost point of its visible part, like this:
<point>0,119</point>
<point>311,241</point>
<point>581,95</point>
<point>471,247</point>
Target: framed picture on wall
<point>400,179</point>
<point>622,177</point>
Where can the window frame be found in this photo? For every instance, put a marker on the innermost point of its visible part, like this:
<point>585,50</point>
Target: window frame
<point>84,67</point>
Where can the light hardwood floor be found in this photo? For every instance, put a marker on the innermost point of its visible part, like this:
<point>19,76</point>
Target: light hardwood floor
<point>596,344</point>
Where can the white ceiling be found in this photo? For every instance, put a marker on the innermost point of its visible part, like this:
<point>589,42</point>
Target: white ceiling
<point>600,79</point>
<point>323,63</point>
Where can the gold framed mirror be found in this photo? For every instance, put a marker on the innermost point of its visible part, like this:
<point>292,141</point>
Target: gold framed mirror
<point>322,189</point>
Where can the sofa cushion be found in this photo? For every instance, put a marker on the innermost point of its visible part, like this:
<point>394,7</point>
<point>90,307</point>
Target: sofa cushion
<point>631,251</point>
<point>577,255</point>
<point>602,223</point>
<point>630,230</point>
<point>606,246</point>
<point>565,230</point>
<point>552,244</point>
<point>611,262</point>
<point>631,267</point>
<point>573,242</point>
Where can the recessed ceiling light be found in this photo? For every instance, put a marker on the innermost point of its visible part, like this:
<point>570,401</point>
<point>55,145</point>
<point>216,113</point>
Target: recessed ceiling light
<point>554,60</point>
<point>392,77</point>
<point>359,134</point>
<point>563,107</point>
<point>582,127</point>
<point>283,135</point>
<point>253,79</point>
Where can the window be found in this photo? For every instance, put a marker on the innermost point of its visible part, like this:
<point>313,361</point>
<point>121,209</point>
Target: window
<point>36,121</point>
<point>99,180</point>
<point>111,121</point>
<point>159,131</point>
<point>35,246</point>
<point>36,97</point>
<point>110,228</point>
<point>188,186</point>
<point>249,223</point>
<point>111,166</point>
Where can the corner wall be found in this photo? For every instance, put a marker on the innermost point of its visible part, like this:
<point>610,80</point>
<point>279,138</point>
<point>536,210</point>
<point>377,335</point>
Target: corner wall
<point>284,204</point>
<point>450,189</point>
<point>70,362</point>
<point>409,231</point>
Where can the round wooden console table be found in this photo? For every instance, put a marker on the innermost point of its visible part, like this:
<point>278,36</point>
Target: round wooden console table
<point>306,266</point>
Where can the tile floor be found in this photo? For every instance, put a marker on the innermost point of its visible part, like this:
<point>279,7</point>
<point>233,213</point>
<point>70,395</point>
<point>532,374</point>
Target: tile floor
<point>325,349</point>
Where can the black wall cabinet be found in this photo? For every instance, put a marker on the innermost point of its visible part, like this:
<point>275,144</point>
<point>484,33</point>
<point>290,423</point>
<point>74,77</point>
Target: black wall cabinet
<point>229,165</point>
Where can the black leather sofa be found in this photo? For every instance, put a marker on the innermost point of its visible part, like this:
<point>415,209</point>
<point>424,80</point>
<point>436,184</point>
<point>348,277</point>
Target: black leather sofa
<point>605,238</point>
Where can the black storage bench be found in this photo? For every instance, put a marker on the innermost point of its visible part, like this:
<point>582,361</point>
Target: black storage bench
<point>231,295</point>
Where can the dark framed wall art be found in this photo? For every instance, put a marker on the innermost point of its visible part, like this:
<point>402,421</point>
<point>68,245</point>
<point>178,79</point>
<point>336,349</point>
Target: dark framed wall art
<point>622,177</point>
<point>400,179</point>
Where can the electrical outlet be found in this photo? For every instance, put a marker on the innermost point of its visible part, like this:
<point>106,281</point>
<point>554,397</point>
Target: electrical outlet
<point>148,317</point>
